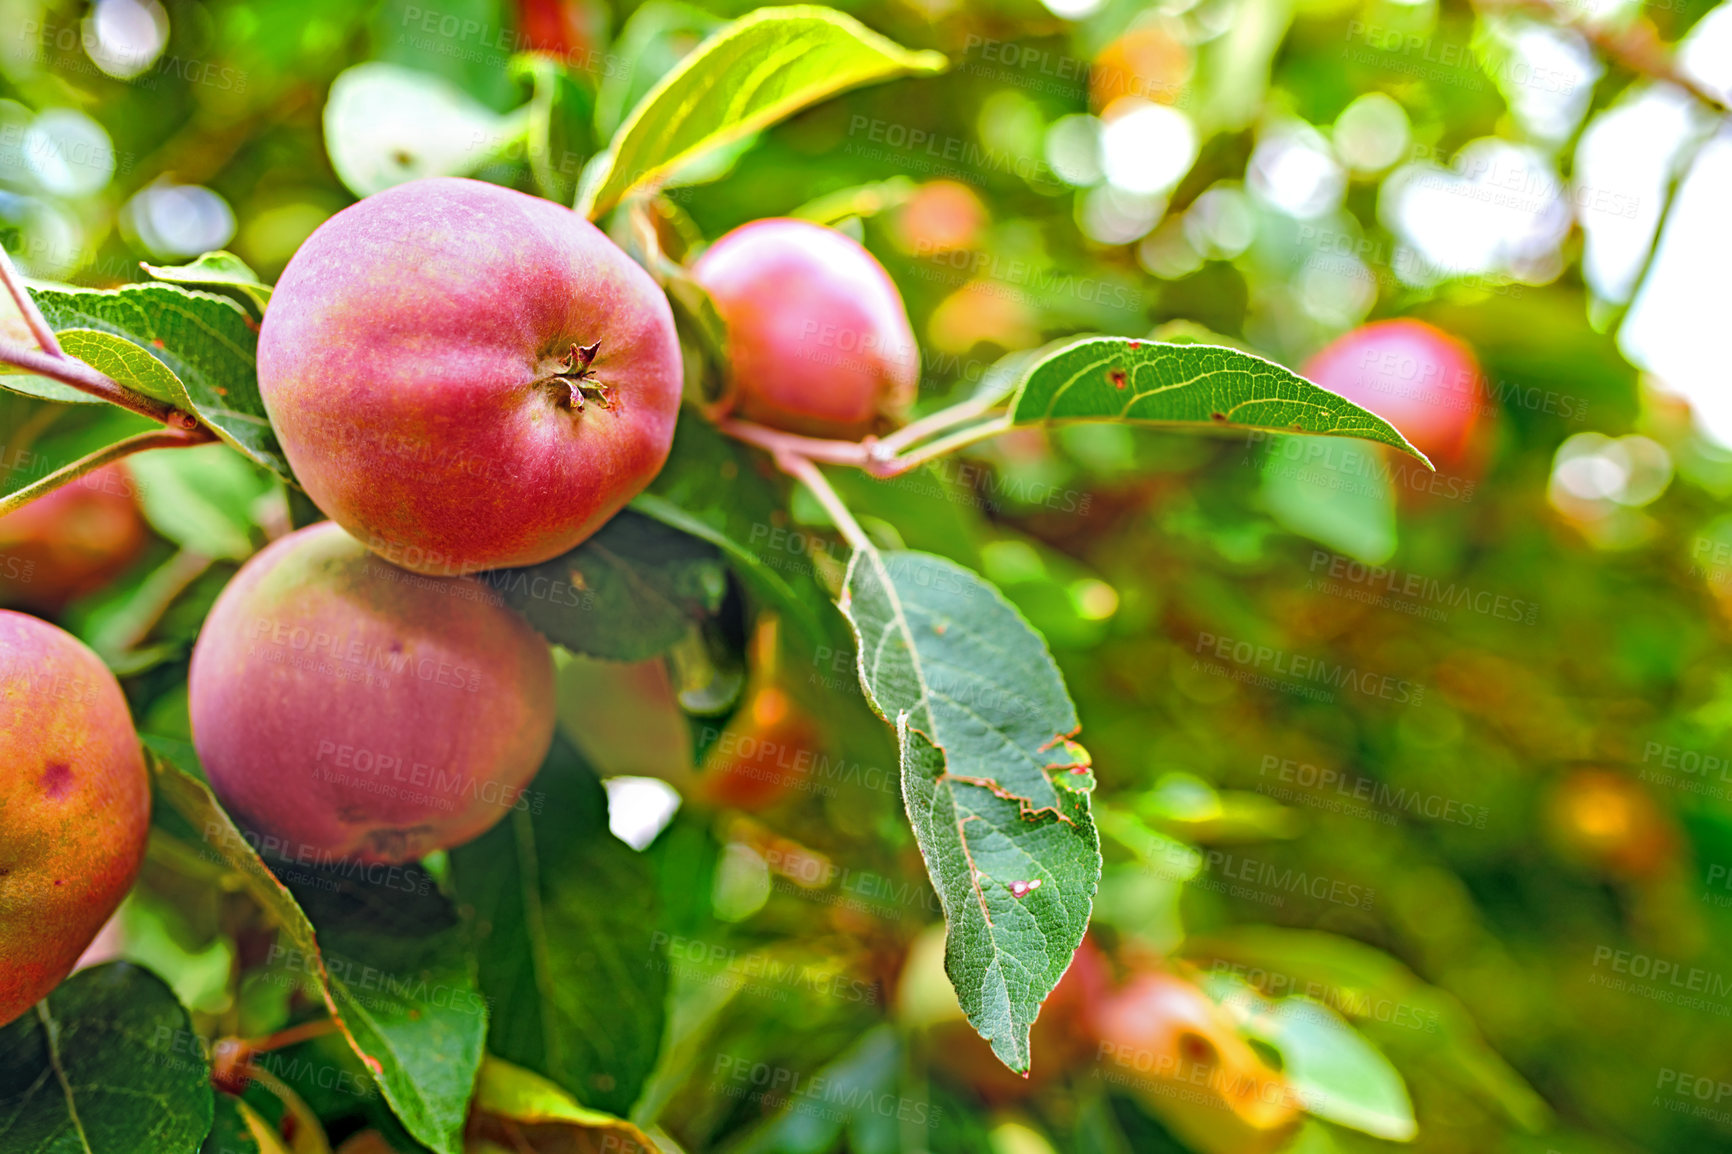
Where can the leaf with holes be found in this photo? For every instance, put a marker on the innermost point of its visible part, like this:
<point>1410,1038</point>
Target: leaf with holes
<point>106,1064</point>
<point>1187,385</point>
<point>997,792</point>
<point>207,343</point>
<point>749,75</point>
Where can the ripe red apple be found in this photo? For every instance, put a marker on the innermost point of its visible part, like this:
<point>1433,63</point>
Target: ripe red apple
<point>1418,378</point>
<point>74,805</point>
<point>818,338</point>
<point>1181,1055</point>
<point>466,377</point>
<point>349,709</point>
<point>71,542</point>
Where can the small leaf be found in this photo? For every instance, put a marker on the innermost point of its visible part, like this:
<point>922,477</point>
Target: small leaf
<point>221,271</point>
<point>395,978</point>
<point>386,125</point>
<point>749,75</point>
<point>238,1129</point>
<point>106,1064</point>
<point>564,917</point>
<point>628,593</point>
<point>997,792</point>
<point>510,1100</point>
<point>1337,1074</point>
<point>208,343</point>
<point>1202,386</point>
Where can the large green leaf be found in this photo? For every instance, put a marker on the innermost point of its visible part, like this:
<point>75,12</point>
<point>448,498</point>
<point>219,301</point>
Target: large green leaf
<point>564,917</point>
<point>386,958</point>
<point>1206,386</point>
<point>997,792</point>
<point>207,343</point>
<point>106,1064</point>
<point>628,593</point>
<point>747,76</point>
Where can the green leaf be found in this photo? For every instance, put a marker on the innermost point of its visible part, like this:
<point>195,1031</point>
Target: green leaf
<point>628,593</point>
<point>106,1064</point>
<point>386,125</point>
<point>221,271</point>
<point>388,962</point>
<point>711,489</point>
<point>997,793</point>
<point>564,916</point>
<point>1337,1074</point>
<point>749,75</point>
<point>208,344</point>
<point>201,498</point>
<point>1206,386</point>
<point>511,1099</point>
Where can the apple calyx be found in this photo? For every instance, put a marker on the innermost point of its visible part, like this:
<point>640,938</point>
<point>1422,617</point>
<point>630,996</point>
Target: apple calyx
<point>579,384</point>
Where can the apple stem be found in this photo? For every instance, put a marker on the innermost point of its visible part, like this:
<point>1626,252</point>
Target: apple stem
<point>138,443</point>
<point>897,465</point>
<point>304,1032</point>
<point>803,470</point>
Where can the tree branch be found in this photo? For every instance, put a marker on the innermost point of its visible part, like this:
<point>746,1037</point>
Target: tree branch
<point>27,307</point>
<point>804,471</point>
<point>138,443</point>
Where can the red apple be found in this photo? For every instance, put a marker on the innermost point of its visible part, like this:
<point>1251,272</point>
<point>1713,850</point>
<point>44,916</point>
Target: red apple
<point>345,708</point>
<point>74,805</point>
<point>71,542</point>
<point>466,377</point>
<point>1181,1055</point>
<point>1418,378</point>
<point>818,338</point>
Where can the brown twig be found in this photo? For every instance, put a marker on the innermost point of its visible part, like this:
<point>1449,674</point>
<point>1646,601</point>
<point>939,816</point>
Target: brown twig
<point>138,443</point>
